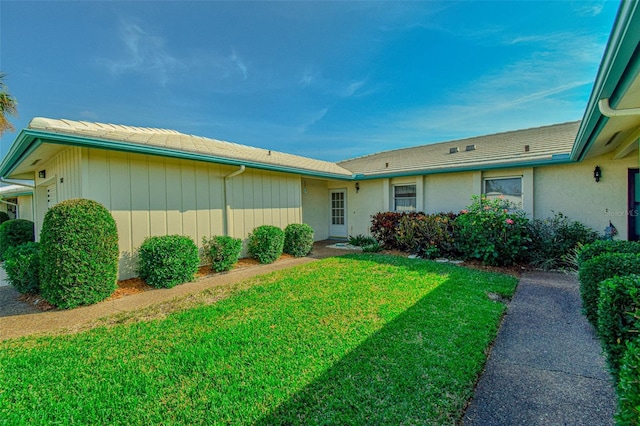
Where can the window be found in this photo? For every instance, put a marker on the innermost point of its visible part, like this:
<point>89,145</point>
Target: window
<point>404,198</point>
<point>509,189</point>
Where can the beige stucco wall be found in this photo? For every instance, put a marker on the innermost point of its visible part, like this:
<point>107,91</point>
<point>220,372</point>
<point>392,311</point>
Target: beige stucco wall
<point>150,195</point>
<point>569,189</point>
<point>572,190</point>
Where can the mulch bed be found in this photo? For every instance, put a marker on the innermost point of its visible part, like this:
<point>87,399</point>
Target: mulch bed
<point>136,285</point>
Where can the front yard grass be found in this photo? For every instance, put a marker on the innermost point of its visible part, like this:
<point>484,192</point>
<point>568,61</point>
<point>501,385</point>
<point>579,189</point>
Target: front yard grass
<point>359,339</point>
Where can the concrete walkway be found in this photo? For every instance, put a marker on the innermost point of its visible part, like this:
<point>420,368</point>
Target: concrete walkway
<point>546,366</point>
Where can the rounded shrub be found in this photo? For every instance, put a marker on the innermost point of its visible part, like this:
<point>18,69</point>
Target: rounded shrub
<point>298,239</point>
<point>629,386</point>
<point>222,252</point>
<point>4,217</point>
<point>79,253</point>
<point>22,265</point>
<point>168,260</point>
<point>618,316</point>
<point>598,269</point>
<point>13,233</point>
<point>600,247</point>
<point>266,243</point>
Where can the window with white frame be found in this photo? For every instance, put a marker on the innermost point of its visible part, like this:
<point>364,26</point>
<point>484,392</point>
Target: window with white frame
<point>404,198</point>
<point>507,188</point>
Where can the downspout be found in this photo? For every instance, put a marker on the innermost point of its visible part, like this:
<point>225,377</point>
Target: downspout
<point>227,207</point>
<point>607,111</point>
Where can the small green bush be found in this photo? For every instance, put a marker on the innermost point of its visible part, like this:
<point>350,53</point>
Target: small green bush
<point>266,243</point>
<point>79,253</point>
<point>22,265</point>
<point>599,247</point>
<point>168,260</point>
<point>4,217</point>
<point>597,269</point>
<point>618,316</point>
<point>629,386</point>
<point>554,239</point>
<point>492,231</point>
<point>361,240</point>
<point>13,233</point>
<point>222,252</point>
<point>372,247</point>
<point>298,239</point>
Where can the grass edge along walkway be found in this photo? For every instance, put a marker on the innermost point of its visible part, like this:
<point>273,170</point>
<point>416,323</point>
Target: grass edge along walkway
<point>356,339</point>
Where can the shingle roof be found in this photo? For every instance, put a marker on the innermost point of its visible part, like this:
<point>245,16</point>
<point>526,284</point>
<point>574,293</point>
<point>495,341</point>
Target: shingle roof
<point>501,149</point>
<point>176,141</point>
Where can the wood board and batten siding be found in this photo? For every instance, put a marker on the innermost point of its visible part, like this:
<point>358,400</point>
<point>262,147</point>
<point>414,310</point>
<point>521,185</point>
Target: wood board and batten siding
<point>149,195</point>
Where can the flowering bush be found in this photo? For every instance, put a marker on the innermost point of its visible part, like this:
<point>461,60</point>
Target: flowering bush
<point>492,231</point>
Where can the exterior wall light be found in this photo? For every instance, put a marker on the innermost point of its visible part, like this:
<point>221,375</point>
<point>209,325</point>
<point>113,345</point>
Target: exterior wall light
<point>42,174</point>
<point>357,187</point>
<point>597,173</point>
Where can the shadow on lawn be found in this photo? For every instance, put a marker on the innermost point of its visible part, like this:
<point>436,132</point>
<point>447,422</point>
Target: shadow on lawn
<point>419,369</point>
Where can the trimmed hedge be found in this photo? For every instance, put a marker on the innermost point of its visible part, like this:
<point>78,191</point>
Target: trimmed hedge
<point>13,233</point>
<point>168,260</point>
<point>222,252</point>
<point>298,239</point>
<point>599,268</point>
<point>266,243</point>
<point>600,247</point>
<point>22,265</point>
<point>629,386</point>
<point>618,316</point>
<point>79,253</point>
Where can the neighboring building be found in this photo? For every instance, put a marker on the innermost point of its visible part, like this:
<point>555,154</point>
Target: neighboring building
<point>158,182</point>
<point>16,201</point>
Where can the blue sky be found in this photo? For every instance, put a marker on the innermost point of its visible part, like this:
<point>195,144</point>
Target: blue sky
<point>328,80</point>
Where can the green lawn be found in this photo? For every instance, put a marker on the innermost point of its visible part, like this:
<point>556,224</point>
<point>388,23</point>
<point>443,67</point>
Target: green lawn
<point>360,339</point>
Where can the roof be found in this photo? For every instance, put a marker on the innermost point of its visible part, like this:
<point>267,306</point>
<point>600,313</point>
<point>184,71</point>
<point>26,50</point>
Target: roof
<point>14,191</point>
<point>536,146</point>
<point>617,81</point>
<point>151,141</point>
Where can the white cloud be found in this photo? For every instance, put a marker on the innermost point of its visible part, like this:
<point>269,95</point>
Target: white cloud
<point>144,53</point>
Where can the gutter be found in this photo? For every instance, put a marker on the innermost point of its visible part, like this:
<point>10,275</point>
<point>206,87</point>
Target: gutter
<point>228,218</point>
<point>606,110</point>
<point>13,182</point>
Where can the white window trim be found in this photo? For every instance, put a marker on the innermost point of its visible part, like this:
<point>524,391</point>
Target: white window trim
<point>415,197</point>
<point>521,177</point>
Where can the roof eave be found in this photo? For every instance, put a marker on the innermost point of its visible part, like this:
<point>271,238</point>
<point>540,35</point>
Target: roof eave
<point>30,139</point>
<point>619,67</point>
<point>554,160</point>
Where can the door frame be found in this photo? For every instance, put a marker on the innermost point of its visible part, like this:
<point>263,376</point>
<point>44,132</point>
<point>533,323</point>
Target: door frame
<point>342,229</point>
<point>632,210</point>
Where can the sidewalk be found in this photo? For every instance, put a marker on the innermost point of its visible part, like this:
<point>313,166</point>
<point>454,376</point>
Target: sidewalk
<point>546,366</point>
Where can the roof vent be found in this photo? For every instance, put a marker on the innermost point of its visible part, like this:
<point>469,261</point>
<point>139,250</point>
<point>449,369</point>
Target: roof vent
<point>386,164</point>
<point>526,148</point>
<point>453,150</point>
<point>470,148</point>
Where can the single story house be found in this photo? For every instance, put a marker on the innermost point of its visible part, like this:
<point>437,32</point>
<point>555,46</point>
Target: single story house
<point>158,182</point>
<point>17,201</point>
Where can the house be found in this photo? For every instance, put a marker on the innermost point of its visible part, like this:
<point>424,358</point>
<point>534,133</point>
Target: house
<point>16,201</point>
<point>158,182</point>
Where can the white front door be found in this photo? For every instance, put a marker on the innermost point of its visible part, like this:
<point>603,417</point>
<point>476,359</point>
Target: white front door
<point>338,213</point>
